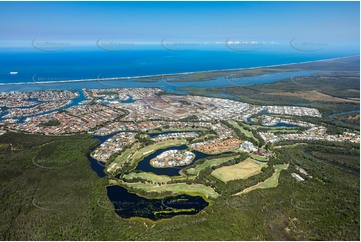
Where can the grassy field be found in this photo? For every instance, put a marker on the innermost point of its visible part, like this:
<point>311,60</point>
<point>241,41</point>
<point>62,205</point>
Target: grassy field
<point>242,170</point>
<point>123,158</point>
<point>258,157</point>
<point>148,176</point>
<point>209,163</point>
<point>235,125</point>
<point>177,188</point>
<point>269,183</point>
<point>248,126</point>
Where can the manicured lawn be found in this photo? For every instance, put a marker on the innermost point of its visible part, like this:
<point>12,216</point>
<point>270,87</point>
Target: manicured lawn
<point>258,157</point>
<point>268,183</point>
<point>237,126</point>
<point>242,170</point>
<point>148,176</point>
<point>209,163</point>
<point>178,188</point>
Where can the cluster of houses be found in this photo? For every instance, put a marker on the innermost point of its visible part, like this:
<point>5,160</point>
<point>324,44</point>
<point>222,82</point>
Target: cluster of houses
<point>121,93</point>
<point>271,121</point>
<point>113,145</point>
<point>171,158</point>
<point>102,117</point>
<point>74,120</point>
<point>292,110</point>
<point>176,135</point>
<point>37,109</point>
<point>314,133</point>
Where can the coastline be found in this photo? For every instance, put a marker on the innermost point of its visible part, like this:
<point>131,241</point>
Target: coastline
<point>170,74</point>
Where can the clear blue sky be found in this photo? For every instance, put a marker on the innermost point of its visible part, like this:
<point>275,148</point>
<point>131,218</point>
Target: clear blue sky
<point>336,22</point>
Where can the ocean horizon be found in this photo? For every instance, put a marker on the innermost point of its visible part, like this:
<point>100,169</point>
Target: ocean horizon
<point>33,65</point>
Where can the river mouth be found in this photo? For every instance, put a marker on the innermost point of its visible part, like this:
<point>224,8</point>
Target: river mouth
<point>129,205</point>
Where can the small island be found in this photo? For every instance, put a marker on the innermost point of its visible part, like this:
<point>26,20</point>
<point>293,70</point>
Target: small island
<point>172,158</point>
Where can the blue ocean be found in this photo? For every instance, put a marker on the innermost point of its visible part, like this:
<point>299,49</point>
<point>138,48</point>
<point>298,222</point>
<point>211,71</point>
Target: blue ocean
<point>32,65</point>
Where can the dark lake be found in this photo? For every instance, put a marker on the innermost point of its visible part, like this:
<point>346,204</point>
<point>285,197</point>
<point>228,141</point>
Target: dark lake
<point>129,205</point>
<point>280,124</point>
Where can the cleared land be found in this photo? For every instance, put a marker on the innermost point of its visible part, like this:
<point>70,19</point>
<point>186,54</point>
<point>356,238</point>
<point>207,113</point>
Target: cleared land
<point>220,146</point>
<point>148,176</point>
<point>242,170</point>
<point>313,96</point>
<point>209,163</point>
<point>178,188</point>
<point>268,183</point>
